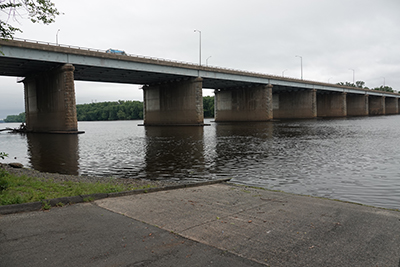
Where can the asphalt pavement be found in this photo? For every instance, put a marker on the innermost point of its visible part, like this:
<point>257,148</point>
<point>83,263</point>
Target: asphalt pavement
<point>211,225</point>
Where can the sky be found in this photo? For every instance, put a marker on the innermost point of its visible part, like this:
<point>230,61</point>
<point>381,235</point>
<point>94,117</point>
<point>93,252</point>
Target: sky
<point>334,38</point>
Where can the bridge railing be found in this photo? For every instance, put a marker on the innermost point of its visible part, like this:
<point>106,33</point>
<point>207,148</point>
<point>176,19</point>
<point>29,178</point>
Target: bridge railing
<point>212,68</point>
<point>147,57</point>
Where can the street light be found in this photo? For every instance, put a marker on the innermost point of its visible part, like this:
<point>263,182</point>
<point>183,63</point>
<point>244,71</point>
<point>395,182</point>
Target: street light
<point>199,46</point>
<point>353,75</point>
<point>57,36</point>
<point>384,81</point>
<point>301,65</point>
<point>283,73</point>
<point>207,60</point>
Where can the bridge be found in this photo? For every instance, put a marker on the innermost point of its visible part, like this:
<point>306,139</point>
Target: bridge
<point>172,91</point>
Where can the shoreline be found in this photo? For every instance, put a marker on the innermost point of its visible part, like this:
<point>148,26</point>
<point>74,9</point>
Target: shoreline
<point>137,182</point>
<point>140,186</point>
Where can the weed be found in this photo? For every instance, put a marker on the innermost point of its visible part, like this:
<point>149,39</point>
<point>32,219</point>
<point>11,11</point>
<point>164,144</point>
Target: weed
<point>46,205</point>
<point>88,199</point>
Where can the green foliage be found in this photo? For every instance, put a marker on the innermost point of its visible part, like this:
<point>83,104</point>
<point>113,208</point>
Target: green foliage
<point>103,111</point>
<point>118,110</point>
<point>361,84</point>
<point>43,11</point>
<point>208,106</point>
<point>22,189</point>
<point>3,181</point>
<point>46,205</point>
<point>3,155</point>
<point>384,88</point>
<point>15,118</point>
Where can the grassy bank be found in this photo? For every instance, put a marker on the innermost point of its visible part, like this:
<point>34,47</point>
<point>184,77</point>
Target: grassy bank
<point>17,189</point>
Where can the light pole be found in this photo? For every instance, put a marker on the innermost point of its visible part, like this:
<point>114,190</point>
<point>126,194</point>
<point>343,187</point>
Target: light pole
<point>207,60</point>
<point>384,82</point>
<point>57,36</point>
<point>353,75</point>
<point>283,73</point>
<point>199,46</point>
<point>301,65</point>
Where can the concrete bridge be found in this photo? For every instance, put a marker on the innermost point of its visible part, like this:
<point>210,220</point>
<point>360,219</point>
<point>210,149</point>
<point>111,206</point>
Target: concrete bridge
<point>173,90</point>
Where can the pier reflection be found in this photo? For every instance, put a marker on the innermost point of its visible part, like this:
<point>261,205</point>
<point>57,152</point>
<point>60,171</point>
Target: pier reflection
<point>55,153</point>
<point>240,146</point>
<point>242,138</point>
<point>174,152</point>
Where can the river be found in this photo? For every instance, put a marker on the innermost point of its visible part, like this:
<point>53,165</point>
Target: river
<point>351,159</point>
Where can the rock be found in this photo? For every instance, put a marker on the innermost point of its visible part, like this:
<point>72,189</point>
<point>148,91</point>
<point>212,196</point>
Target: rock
<point>16,165</point>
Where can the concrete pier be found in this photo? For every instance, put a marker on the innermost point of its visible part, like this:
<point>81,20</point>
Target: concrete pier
<point>331,105</point>
<point>357,105</point>
<point>50,104</point>
<point>174,103</point>
<point>244,104</point>
<point>376,105</point>
<point>391,105</point>
<point>295,104</point>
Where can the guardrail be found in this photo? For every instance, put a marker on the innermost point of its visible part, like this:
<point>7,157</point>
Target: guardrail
<point>155,58</point>
<point>268,76</point>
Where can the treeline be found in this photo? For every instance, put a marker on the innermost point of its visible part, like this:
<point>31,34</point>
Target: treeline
<point>15,118</point>
<point>361,84</point>
<point>110,111</point>
<point>118,110</point>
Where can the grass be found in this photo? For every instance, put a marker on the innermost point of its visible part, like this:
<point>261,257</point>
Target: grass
<point>23,189</point>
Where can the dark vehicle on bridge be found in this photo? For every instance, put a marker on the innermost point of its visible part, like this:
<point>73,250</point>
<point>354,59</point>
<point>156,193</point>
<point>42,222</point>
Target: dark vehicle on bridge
<point>118,52</point>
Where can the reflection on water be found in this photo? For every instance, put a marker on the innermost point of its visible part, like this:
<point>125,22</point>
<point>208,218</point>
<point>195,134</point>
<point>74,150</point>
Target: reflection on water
<point>176,153</point>
<point>239,145</point>
<point>352,159</point>
<point>54,152</point>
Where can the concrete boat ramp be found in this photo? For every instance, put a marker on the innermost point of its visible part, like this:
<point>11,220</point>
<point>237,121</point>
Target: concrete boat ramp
<point>212,225</point>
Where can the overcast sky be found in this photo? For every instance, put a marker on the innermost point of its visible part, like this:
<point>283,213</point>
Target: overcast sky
<point>332,37</point>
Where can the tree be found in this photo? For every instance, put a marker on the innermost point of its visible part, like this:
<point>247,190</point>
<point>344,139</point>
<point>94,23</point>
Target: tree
<point>208,106</point>
<point>384,88</point>
<point>37,11</point>
<point>359,84</point>
<point>347,84</point>
<point>15,118</point>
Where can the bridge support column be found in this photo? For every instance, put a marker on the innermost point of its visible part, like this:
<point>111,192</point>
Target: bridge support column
<point>244,104</point>
<point>391,105</point>
<point>357,105</point>
<point>295,105</point>
<point>376,105</point>
<point>50,104</point>
<point>174,103</point>
<point>331,105</point>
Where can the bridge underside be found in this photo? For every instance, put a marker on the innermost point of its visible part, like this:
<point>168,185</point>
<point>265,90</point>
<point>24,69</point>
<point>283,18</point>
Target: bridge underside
<point>51,107</point>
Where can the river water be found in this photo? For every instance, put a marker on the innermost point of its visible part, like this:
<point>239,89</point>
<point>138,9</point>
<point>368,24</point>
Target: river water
<point>351,159</point>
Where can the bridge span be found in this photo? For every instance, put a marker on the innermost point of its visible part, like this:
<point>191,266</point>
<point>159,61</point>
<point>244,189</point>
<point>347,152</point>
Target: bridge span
<point>173,90</point>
